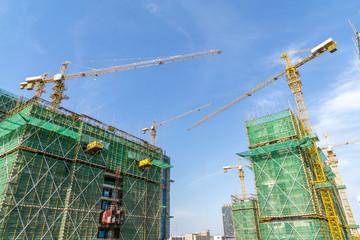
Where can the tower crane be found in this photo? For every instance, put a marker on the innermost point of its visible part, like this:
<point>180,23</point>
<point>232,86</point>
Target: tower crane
<point>293,78</point>
<point>334,165</point>
<point>154,126</point>
<point>58,90</point>
<point>356,39</point>
<point>241,176</point>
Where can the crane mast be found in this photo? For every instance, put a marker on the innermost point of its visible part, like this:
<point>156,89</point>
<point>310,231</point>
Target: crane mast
<point>241,176</point>
<point>334,165</point>
<point>315,52</point>
<point>58,90</point>
<point>294,82</point>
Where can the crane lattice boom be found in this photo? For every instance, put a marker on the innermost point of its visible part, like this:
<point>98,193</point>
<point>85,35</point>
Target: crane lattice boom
<point>58,90</point>
<point>334,165</point>
<point>315,52</point>
<point>154,126</point>
<point>294,82</point>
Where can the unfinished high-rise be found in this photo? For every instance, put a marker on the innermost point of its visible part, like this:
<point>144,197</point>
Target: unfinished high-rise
<point>289,201</point>
<point>61,171</point>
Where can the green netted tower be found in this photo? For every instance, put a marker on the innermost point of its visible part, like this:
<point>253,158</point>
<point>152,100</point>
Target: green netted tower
<point>51,187</point>
<point>245,217</point>
<point>289,204</point>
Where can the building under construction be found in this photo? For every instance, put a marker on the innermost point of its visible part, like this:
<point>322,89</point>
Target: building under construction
<point>68,176</point>
<point>245,218</point>
<point>289,201</point>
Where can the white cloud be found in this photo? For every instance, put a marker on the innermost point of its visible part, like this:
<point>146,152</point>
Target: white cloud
<point>182,212</point>
<point>203,179</point>
<point>152,8</point>
<point>38,48</point>
<point>338,110</point>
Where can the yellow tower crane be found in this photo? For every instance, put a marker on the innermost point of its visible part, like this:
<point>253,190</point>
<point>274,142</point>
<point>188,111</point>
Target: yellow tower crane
<point>294,82</point>
<point>58,90</point>
<point>241,176</point>
<point>154,126</point>
<point>356,39</point>
<point>334,165</point>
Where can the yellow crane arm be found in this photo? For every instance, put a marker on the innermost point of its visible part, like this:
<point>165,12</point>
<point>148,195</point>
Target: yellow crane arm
<point>355,140</point>
<point>316,51</point>
<point>131,66</point>
<point>153,127</point>
<point>334,165</point>
<point>241,176</point>
<point>184,114</point>
<point>58,90</point>
<point>120,68</point>
<point>248,94</point>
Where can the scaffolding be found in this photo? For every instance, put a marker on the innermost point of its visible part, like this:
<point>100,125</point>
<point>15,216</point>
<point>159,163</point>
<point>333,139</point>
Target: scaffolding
<point>8,101</point>
<point>52,188</point>
<point>246,222</point>
<point>290,205</point>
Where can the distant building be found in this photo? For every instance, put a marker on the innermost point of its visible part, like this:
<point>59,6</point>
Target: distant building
<point>228,222</point>
<point>177,238</point>
<point>193,236</point>
<point>217,238</point>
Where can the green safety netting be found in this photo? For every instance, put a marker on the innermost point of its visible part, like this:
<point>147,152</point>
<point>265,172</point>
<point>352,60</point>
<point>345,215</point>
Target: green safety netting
<point>161,164</point>
<point>276,126</point>
<point>322,156</point>
<point>89,139</point>
<point>295,229</point>
<point>9,101</point>
<point>302,143</point>
<point>283,172</point>
<point>18,120</point>
<point>245,217</point>
<point>45,133</point>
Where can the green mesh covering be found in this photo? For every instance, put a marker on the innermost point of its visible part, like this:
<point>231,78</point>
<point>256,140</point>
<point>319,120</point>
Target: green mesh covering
<point>276,126</point>
<point>289,203</point>
<point>50,188</point>
<point>246,223</point>
<point>295,229</point>
<point>42,181</point>
<point>282,185</point>
<point>9,101</point>
<point>161,164</point>
<point>138,203</point>
<point>289,144</point>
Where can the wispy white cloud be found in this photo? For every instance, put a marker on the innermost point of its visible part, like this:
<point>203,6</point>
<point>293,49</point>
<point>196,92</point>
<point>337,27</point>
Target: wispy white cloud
<point>180,212</point>
<point>152,8</point>
<point>38,48</point>
<point>339,108</point>
<point>294,57</point>
<point>203,179</point>
<point>338,112</point>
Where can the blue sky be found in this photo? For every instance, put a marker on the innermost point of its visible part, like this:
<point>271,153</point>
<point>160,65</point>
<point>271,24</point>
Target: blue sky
<point>37,36</point>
